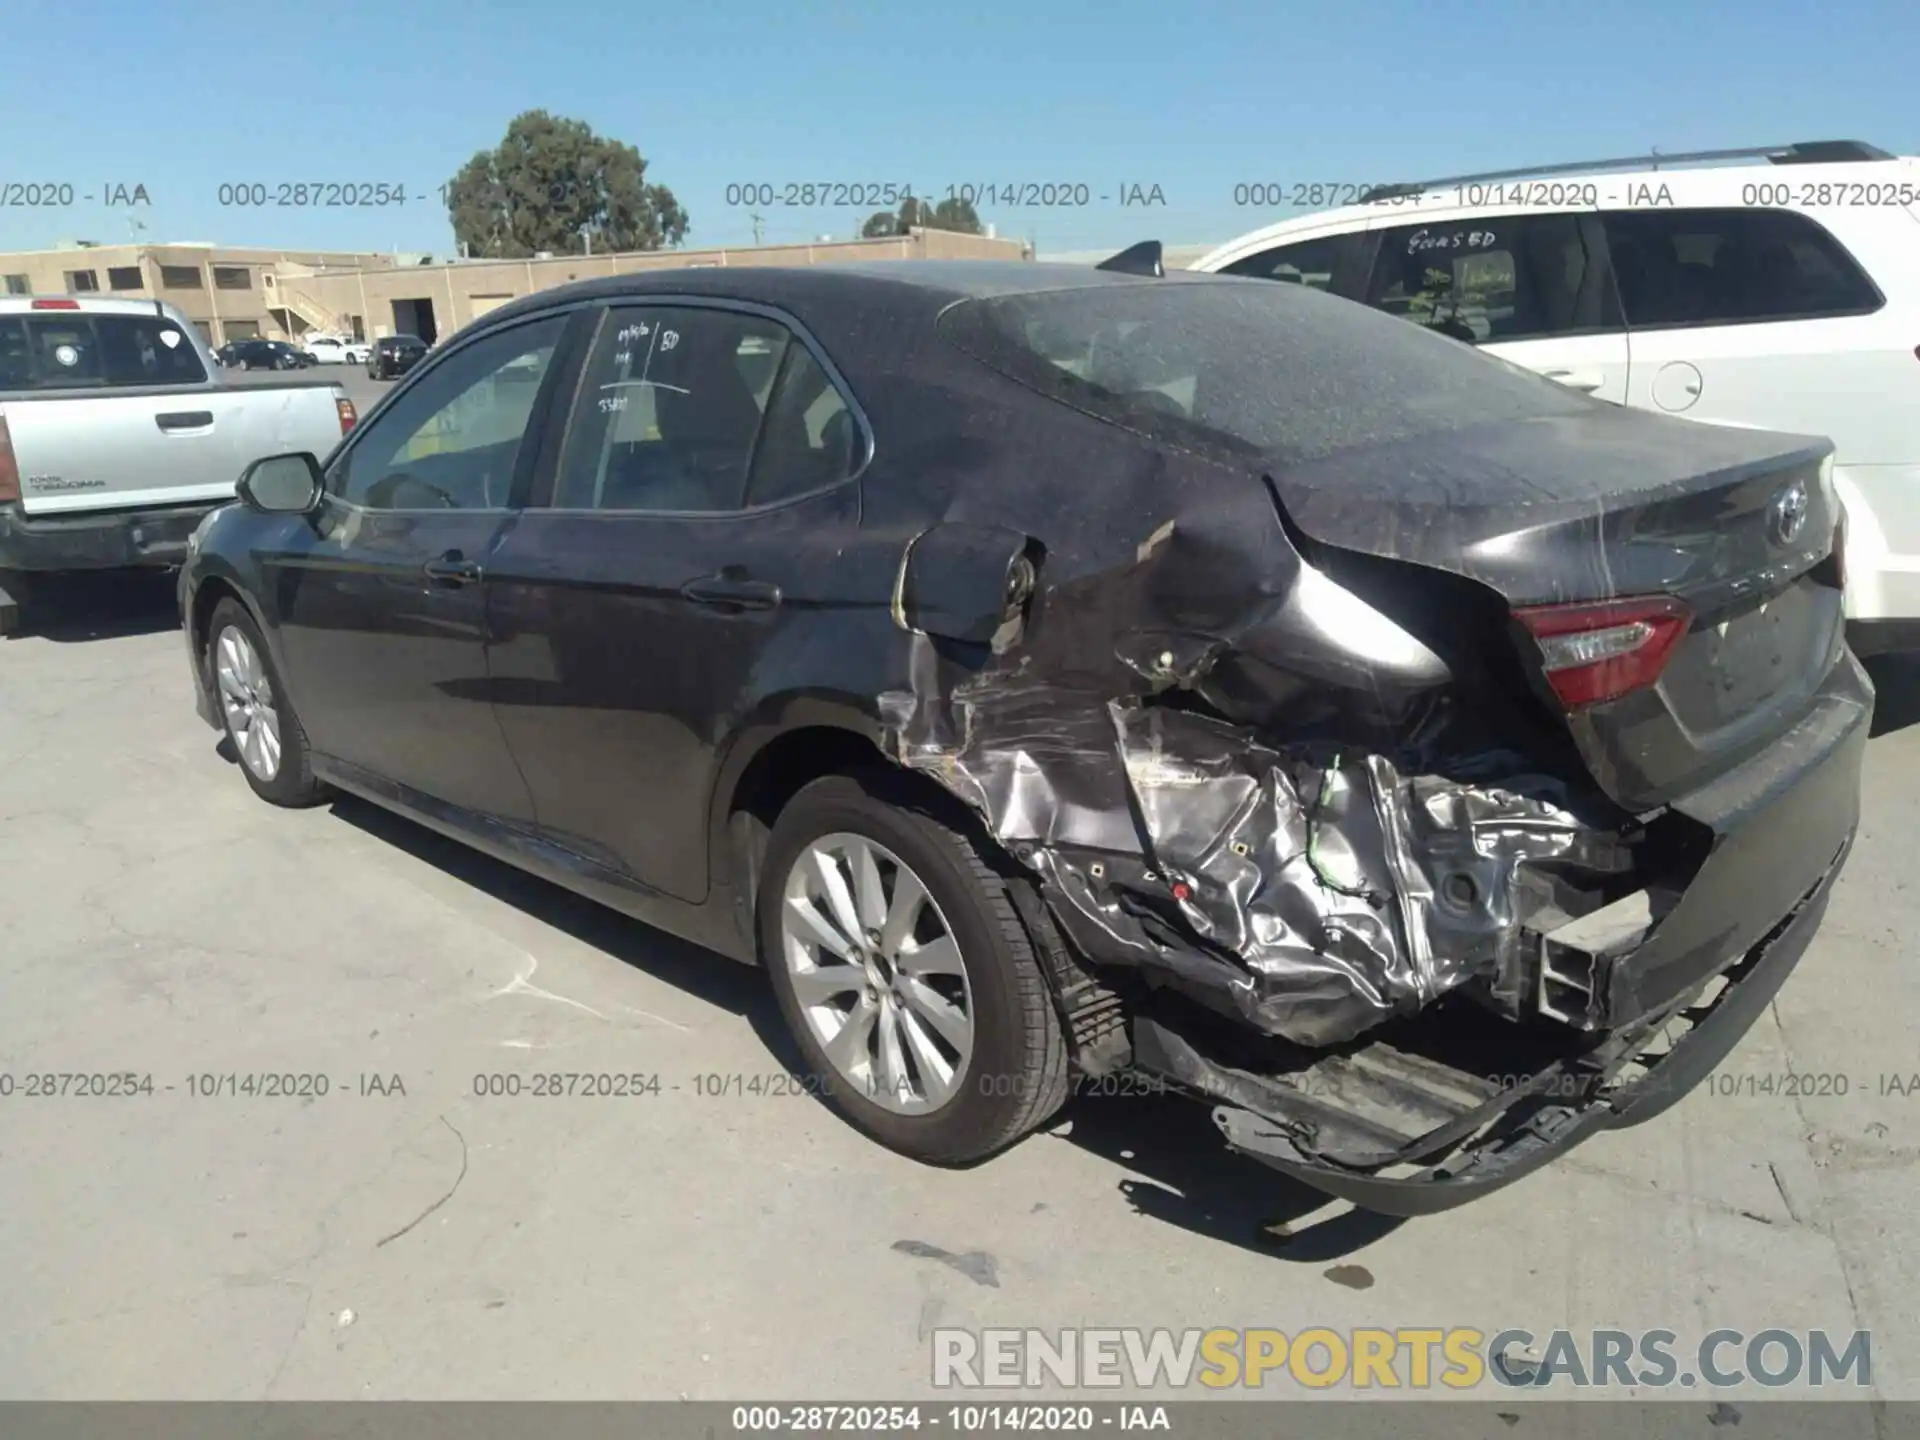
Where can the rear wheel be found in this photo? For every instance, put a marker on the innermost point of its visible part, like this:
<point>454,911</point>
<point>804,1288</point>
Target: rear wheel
<point>904,974</point>
<point>260,721</point>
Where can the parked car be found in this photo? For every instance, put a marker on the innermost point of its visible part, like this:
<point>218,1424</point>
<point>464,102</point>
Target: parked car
<point>394,355</point>
<point>259,354</point>
<point>116,436</point>
<point>1056,670</point>
<point>1779,289</point>
<point>336,350</point>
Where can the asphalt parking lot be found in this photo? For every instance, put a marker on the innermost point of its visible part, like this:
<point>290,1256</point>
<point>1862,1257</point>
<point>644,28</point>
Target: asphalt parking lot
<point>403,1237</point>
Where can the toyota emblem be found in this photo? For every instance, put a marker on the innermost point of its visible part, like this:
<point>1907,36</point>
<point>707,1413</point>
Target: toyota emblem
<point>1787,515</point>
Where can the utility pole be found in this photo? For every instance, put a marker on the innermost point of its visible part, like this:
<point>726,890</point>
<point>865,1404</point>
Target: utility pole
<point>756,219</point>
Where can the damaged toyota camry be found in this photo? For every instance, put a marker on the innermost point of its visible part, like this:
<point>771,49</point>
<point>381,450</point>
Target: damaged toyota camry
<point>1049,672</point>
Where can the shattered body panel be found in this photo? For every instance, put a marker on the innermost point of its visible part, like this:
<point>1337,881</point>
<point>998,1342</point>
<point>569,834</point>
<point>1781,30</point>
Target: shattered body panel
<point>1233,774</point>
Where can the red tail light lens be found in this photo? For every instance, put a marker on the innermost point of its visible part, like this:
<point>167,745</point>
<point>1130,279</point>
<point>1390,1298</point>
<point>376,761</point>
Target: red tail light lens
<point>1592,653</point>
<point>349,417</point>
<point>9,467</point>
<point>56,305</point>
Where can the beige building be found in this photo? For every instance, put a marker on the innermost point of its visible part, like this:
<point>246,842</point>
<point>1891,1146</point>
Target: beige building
<point>433,301</point>
<point>225,290</point>
<point>232,293</point>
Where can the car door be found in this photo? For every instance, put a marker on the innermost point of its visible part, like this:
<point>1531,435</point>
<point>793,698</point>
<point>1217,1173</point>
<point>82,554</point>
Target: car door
<point>381,602</point>
<point>1532,289</point>
<point>695,513</point>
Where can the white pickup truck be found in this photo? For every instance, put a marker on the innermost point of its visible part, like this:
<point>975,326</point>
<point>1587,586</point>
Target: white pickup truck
<point>117,435</point>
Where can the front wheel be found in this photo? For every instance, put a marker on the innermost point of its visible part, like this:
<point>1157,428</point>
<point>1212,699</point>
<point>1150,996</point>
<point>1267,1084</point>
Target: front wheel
<point>904,973</point>
<point>260,722</point>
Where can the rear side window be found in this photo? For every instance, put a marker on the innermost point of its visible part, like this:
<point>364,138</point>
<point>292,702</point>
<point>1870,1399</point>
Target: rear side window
<point>1732,267</point>
<point>83,350</point>
<point>1507,277</point>
<point>809,440</point>
<point>1272,373</point>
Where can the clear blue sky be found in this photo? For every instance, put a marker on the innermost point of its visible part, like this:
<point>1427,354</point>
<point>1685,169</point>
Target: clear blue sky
<point>1192,97</point>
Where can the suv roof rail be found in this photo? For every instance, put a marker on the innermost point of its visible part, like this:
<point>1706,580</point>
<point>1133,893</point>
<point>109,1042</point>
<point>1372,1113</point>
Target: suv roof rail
<point>1804,152</point>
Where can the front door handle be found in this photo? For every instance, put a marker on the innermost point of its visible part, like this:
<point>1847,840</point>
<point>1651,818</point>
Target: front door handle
<point>732,591</point>
<point>452,569</point>
<point>1585,381</point>
<point>184,420</point>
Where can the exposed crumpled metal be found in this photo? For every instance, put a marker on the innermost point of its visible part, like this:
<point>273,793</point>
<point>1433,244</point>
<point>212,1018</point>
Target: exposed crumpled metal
<point>1314,896</point>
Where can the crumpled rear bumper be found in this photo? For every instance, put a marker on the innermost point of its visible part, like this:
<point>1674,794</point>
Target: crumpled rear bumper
<point>1521,1128</point>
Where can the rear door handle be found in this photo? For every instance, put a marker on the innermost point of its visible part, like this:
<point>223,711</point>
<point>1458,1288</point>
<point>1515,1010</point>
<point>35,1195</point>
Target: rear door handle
<point>1586,381</point>
<point>452,569</point>
<point>184,420</point>
<point>731,591</point>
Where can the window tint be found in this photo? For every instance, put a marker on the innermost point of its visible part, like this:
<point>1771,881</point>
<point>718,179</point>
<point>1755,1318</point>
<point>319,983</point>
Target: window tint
<point>810,439</point>
<point>1508,277</point>
<point>16,360</point>
<point>1729,267</point>
<point>146,350</point>
<point>1264,372</point>
<point>1310,262</point>
<point>669,409</point>
<point>451,441</point>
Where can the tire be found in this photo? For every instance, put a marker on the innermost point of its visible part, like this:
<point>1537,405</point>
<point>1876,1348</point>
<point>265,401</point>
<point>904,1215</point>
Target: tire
<point>246,364</point>
<point>289,781</point>
<point>1014,1075</point>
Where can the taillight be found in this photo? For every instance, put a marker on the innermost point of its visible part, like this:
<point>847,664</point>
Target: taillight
<point>1592,653</point>
<point>9,467</point>
<point>349,417</point>
<point>56,305</point>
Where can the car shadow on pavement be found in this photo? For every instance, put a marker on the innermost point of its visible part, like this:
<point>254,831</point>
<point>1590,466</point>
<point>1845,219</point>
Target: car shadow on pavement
<point>700,972</point>
<point>97,605</point>
<point>1181,1172</point>
<point>1896,684</point>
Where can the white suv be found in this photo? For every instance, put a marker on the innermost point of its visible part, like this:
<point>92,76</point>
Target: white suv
<point>1781,293</point>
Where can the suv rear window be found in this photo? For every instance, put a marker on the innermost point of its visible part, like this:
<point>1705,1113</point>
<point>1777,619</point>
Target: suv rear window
<point>55,349</point>
<point>1279,371</point>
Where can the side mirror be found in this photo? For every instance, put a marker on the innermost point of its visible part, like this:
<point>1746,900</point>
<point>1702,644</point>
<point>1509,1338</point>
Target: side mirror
<point>282,484</point>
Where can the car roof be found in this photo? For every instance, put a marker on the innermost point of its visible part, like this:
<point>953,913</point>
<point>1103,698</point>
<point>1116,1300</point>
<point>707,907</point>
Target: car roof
<point>1704,187</point>
<point>900,285</point>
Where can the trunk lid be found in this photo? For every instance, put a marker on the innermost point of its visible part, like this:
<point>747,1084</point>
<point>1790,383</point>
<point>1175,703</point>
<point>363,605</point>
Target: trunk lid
<point>1736,524</point>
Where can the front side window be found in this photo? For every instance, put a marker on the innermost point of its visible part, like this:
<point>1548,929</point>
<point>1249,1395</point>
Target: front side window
<point>452,440</point>
<point>1507,277</point>
<point>669,410</point>
<point>1308,262</point>
<point>1731,267</point>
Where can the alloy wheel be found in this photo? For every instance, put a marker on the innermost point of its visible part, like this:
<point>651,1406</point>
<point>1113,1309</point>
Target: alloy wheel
<point>877,973</point>
<point>246,699</point>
